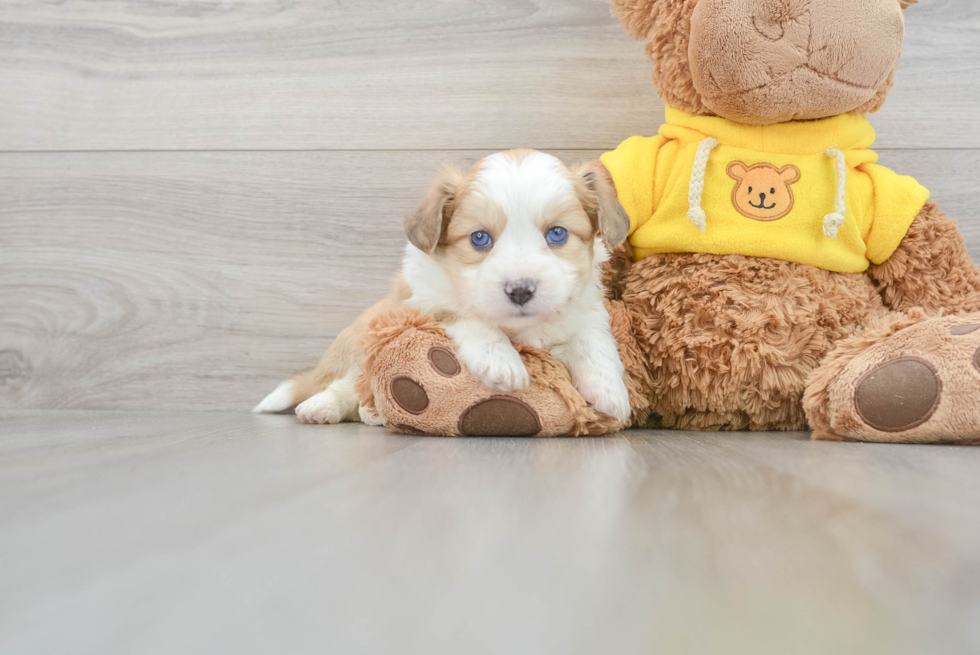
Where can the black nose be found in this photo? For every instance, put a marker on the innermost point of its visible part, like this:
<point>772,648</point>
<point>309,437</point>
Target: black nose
<point>762,197</point>
<point>520,292</point>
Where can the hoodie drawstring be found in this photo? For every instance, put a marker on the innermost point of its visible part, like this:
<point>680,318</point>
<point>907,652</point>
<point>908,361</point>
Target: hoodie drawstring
<point>832,222</point>
<point>696,190</point>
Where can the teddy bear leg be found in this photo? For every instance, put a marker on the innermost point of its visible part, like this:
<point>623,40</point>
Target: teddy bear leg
<point>931,268</point>
<point>414,382</point>
<point>917,381</point>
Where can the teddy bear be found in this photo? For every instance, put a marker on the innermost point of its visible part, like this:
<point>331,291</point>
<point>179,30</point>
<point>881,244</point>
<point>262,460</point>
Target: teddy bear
<point>776,277</point>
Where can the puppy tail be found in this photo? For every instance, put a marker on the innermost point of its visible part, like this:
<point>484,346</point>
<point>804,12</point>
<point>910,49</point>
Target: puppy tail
<point>290,393</point>
<point>342,358</point>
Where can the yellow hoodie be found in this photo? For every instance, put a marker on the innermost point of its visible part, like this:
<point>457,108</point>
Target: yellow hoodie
<point>805,191</point>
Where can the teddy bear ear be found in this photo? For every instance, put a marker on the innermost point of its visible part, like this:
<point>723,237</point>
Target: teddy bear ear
<point>637,16</point>
<point>907,3</point>
<point>790,174</point>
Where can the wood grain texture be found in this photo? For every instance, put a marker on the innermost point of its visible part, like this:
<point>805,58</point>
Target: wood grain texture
<point>190,279</point>
<point>468,74</point>
<point>193,533</point>
<point>198,280</point>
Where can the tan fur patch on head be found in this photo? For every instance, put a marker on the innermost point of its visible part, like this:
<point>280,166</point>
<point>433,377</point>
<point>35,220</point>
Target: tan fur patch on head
<point>569,214</point>
<point>474,213</point>
<point>477,212</point>
<point>518,155</point>
<point>424,227</point>
<point>578,250</point>
<point>428,226</point>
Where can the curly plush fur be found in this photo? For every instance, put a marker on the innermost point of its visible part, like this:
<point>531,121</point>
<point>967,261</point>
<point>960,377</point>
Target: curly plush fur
<point>932,269</point>
<point>731,340</point>
<point>666,26</point>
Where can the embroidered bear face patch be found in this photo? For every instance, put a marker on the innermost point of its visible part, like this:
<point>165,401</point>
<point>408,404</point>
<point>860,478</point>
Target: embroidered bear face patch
<point>763,192</point>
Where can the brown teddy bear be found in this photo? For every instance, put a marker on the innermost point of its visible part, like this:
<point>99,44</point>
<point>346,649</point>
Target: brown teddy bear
<point>776,277</point>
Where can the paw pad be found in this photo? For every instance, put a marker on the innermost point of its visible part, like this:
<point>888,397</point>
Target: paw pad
<point>898,395</point>
<point>499,416</point>
<point>409,394</point>
<point>961,330</point>
<point>444,362</point>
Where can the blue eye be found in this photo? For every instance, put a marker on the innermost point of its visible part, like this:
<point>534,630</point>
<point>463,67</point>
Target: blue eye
<point>557,236</point>
<point>480,240</point>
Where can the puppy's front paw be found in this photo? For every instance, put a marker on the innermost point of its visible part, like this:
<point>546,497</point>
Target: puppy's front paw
<point>321,408</point>
<point>369,417</point>
<point>496,365</point>
<point>607,394</point>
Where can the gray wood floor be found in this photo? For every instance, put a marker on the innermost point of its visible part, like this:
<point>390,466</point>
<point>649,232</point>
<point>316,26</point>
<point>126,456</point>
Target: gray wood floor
<point>195,532</point>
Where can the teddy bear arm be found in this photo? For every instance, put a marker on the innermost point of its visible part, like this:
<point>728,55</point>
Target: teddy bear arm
<point>930,269</point>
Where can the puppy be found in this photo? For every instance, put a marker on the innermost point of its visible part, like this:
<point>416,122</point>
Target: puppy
<point>508,252</point>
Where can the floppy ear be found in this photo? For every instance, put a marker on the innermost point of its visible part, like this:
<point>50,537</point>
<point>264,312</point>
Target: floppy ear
<point>424,226</point>
<point>635,15</point>
<point>737,170</point>
<point>789,174</point>
<point>597,193</point>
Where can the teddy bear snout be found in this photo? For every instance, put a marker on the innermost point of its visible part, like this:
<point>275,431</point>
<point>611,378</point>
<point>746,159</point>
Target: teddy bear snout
<point>780,60</point>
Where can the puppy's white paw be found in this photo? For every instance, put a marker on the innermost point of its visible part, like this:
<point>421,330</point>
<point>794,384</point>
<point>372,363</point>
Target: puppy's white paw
<point>496,365</point>
<point>607,394</point>
<point>368,417</point>
<point>321,408</point>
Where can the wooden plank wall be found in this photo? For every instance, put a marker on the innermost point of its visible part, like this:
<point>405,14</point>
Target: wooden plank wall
<point>196,197</point>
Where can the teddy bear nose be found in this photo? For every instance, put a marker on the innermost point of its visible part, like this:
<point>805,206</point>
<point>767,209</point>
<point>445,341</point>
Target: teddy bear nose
<point>762,196</point>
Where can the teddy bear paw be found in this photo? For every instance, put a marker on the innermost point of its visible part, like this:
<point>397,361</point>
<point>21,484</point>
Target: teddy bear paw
<point>918,385</point>
<point>420,386</point>
<point>445,400</point>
